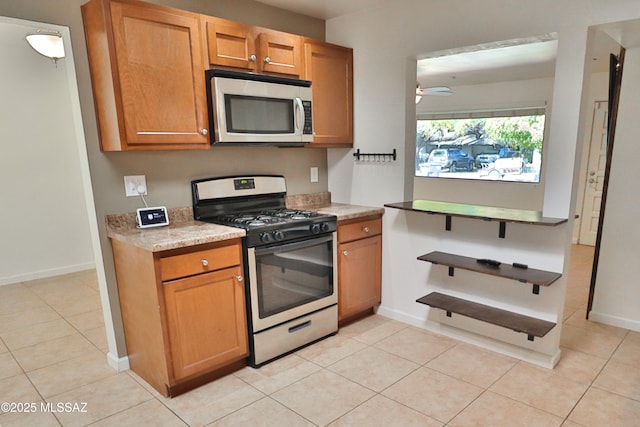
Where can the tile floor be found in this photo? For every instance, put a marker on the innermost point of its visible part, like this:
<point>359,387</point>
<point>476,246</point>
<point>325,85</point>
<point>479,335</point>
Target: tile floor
<point>376,372</point>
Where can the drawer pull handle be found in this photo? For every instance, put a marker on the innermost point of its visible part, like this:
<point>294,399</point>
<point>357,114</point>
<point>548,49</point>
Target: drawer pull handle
<point>204,262</point>
<point>345,253</point>
<point>365,229</point>
<point>300,326</point>
<point>239,278</point>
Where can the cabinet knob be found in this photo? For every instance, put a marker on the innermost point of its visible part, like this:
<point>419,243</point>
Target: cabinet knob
<point>365,229</point>
<point>239,278</point>
<point>345,253</point>
<point>252,58</point>
<point>267,60</point>
<point>204,262</point>
<point>204,131</point>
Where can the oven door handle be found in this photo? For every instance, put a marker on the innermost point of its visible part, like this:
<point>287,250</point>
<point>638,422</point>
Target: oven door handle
<point>272,249</point>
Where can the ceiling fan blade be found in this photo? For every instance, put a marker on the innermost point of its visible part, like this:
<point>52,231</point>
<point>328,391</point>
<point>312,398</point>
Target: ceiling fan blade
<point>437,91</point>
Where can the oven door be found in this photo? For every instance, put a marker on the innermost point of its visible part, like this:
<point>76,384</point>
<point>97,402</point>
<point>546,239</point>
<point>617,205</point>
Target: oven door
<point>292,279</point>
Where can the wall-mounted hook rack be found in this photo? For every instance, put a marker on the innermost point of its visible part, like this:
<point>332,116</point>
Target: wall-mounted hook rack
<point>375,157</point>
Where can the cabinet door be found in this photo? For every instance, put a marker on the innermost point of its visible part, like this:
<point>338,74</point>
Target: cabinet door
<point>359,275</point>
<point>280,53</point>
<point>206,321</point>
<point>161,76</point>
<point>330,69</point>
<point>230,44</point>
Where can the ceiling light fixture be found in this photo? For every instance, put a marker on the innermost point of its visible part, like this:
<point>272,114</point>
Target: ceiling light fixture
<point>47,44</point>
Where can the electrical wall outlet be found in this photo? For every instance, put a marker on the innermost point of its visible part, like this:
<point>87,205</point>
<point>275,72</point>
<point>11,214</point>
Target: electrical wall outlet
<point>313,174</point>
<point>135,185</point>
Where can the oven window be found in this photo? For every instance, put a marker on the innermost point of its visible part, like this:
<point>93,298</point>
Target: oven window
<point>293,275</point>
<point>259,115</point>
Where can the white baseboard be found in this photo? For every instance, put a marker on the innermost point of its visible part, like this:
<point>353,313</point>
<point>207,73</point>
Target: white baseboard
<point>119,364</point>
<point>609,319</point>
<point>33,275</point>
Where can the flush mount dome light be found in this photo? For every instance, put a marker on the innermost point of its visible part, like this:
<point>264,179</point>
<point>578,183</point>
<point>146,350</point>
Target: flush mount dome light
<point>49,45</point>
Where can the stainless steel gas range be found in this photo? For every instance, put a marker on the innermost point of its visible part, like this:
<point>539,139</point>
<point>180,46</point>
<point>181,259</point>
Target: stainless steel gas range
<point>290,261</point>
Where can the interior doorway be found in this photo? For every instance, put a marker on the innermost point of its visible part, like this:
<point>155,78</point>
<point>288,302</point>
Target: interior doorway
<point>595,175</point>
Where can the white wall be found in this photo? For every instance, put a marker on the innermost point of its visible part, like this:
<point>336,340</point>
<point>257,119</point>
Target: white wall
<point>44,224</point>
<point>386,42</point>
<point>617,294</point>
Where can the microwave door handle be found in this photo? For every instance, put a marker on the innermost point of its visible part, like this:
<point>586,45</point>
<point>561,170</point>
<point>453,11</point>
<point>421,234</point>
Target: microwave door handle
<point>298,111</point>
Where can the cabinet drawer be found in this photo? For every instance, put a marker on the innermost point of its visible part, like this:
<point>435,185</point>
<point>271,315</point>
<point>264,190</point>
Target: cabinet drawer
<point>198,262</point>
<point>359,230</point>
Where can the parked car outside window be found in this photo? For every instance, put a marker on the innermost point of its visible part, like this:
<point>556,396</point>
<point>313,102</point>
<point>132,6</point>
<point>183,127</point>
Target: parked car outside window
<point>453,159</point>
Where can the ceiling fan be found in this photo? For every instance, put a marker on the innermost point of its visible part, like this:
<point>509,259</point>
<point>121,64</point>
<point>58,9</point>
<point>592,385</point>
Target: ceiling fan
<point>432,91</point>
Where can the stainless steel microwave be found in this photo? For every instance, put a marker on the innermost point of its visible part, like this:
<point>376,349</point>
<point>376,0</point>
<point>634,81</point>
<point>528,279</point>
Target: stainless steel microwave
<point>258,109</point>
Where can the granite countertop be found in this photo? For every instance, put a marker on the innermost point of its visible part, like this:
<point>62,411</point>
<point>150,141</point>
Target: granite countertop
<point>184,231</point>
<point>181,232</point>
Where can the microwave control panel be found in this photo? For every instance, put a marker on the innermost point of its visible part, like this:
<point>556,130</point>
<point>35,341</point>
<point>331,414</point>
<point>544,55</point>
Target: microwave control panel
<point>308,119</point>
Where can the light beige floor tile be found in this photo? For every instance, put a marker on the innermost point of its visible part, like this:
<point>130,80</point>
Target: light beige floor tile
<point>213,401</point>
<point>51,352</point>
<point>277,374</point>
<point>20,301</point>
<point>491,409</point>
<point>620,379</point>
<point>595,343</point>
<point>76,305</point>
<point>85,321</point>
<point>70,374</point>
<point>103,398</point>
<point>579,367</point>
<point>149,413</point>
<point>569,423</point>
<point>416,345</point>
<point>373,368</point>
<point>602,408</point>
<point>371,329</point>
<point>330,350</point>
<point>265,412</point>
<point>628,352</point>
<point>3,348</point>
<point>322,397</point>
<point>540,388</point>
<point>8,366</point>
<point>578,320</point>
<point>38,333</point>
<point>11,322</point>
<point>472,364</point>
<point>98,337</point>
<point>380,411</point>
<point>434,394</point>
<point>18,389</point>
<point>38,418</point>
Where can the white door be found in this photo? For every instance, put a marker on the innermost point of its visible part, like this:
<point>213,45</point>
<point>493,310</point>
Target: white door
<point>595,175</point>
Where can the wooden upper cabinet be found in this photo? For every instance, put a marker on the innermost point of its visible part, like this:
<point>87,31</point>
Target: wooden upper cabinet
<point>330,69</point>
<point>280,53</point>
<point>148,76</point>
<point>229,44</point>
<point>236,45</point>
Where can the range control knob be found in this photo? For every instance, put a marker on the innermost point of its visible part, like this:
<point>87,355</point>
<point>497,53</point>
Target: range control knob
<point>315,228</point>
<point>324,227</point>
<point>278,235</point>
<point>265,237</point>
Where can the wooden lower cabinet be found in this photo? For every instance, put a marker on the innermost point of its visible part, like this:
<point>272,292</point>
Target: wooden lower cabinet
<point>359,267</point>
<point>182,332</point>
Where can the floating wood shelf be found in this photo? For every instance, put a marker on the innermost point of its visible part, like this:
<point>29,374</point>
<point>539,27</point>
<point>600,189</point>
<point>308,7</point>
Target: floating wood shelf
<point>525,275</point>
<point>485,213</point>
<point>531,326</point>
